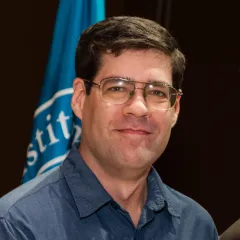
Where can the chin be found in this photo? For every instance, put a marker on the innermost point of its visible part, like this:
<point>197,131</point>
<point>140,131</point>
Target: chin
<point>135,160</point>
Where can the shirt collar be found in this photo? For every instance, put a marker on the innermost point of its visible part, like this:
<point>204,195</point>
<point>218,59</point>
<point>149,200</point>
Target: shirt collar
<point>89,194</point>
<point>87,191</point>
<point>160,195</point>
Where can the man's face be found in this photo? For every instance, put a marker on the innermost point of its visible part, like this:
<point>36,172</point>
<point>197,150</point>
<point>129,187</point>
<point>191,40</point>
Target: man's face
<point>129,135</point>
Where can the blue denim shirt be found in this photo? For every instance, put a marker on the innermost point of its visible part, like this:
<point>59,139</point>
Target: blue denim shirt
<point>70,203</point>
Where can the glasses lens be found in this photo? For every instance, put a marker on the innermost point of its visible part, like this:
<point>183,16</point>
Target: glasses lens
<point>160,96</point>
<point>116,91</point>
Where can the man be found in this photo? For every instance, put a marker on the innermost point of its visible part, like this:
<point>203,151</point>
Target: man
<point>127,94</point>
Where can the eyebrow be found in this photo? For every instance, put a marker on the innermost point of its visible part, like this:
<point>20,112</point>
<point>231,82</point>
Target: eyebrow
<point>118,76</point>
<point>133,80</point>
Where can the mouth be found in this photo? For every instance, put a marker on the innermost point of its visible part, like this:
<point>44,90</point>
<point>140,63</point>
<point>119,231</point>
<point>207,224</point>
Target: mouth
<point>134,131</point>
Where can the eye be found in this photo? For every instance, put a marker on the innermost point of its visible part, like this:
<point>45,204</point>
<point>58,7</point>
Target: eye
<point>116,89</point>
<point>157,93</point>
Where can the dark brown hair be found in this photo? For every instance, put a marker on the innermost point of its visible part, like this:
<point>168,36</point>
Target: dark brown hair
<point>116,34</point>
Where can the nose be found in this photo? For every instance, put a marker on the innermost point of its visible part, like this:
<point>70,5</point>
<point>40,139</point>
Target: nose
<point>136,105</point>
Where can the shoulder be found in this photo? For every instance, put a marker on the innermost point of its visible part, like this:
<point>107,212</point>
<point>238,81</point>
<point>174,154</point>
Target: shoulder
<point>185,204</point>
<point>191,211</point>
<point>178,204</point>
<point>30,194</point>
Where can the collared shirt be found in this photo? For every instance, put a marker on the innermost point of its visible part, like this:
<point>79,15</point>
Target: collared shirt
<point>70,203</point>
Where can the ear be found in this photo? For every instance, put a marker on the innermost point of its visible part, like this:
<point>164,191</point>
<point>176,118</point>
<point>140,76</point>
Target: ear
<point>78,97</point>
<point>175,112</point>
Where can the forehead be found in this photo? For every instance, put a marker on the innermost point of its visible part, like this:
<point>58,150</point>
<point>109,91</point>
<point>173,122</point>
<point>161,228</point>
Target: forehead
<point>139,65</point>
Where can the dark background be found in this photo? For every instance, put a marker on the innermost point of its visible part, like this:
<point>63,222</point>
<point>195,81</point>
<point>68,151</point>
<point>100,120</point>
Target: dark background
<point>202,158</point>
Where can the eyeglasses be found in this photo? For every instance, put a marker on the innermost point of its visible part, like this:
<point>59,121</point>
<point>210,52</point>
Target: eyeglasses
<point>158,95</point>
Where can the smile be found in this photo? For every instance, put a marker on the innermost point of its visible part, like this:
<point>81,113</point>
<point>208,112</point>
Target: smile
<point>134,131</point>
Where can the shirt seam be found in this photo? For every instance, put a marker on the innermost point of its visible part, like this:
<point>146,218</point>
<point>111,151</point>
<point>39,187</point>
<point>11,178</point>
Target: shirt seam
<point>13,225</point>
<point>13,205</point>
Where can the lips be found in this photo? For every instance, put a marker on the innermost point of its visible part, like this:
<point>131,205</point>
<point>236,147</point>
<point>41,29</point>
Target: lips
<point>134,131</point>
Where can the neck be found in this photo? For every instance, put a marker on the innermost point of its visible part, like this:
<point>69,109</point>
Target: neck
<point>129,193</point>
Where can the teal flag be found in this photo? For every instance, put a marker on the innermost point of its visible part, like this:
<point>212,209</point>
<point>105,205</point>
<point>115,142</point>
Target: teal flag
<point>55,127</point>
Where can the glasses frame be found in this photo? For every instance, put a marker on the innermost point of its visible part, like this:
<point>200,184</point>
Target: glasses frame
<point>178,91</point>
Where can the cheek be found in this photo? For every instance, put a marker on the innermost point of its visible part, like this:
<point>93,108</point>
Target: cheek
<point>163,119</point>
<point>163,124</point>
<point>100,116</point>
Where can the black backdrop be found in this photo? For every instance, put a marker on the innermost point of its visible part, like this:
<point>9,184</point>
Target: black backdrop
<point>202,158</point>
